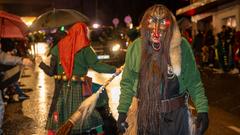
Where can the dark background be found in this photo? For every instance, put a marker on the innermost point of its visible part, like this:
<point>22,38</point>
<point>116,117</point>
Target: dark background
<point>101,10</point>
<point>109,9</point>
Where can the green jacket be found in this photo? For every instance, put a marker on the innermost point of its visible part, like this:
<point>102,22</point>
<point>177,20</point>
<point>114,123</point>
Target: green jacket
<point>189,77</point>
<point>86,58</point>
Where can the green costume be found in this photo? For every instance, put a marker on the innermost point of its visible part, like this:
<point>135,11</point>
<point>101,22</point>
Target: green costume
<point>159,70</point>
<point>189,77</point>
<point>70,97</point>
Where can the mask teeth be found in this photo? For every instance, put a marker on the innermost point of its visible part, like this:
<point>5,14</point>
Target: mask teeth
<point>158,47</point>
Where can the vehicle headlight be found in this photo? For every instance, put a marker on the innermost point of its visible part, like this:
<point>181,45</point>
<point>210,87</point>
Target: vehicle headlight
<point>116,47</point>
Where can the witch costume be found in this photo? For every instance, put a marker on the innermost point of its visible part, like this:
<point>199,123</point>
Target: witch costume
<point>70,61</point>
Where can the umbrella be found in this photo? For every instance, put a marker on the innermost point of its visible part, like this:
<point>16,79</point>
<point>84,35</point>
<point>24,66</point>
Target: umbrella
<point>11,26</point>
<point>57,18</point>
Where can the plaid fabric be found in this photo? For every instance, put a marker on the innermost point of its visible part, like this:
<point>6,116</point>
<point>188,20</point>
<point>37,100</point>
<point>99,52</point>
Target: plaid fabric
<point>68,102</point>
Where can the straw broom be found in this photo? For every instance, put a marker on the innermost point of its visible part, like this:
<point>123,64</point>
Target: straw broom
<point>85,109</point>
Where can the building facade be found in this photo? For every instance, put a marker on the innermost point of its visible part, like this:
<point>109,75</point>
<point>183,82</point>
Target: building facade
<point>214,14</point>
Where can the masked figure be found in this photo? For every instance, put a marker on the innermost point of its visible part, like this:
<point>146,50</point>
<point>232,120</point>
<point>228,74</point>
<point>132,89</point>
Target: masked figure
<point>159,74</point>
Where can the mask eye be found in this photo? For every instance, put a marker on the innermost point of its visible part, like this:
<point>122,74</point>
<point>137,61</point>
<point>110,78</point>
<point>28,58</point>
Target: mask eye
<point>162,21</point>
<point>150,20</point>
<point>165,22</point>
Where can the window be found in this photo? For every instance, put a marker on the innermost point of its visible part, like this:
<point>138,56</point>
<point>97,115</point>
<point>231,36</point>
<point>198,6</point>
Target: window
<point>230,21</point>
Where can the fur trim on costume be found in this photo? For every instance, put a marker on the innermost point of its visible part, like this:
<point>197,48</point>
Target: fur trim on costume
<point>132,118</point>
<point>175,49</point>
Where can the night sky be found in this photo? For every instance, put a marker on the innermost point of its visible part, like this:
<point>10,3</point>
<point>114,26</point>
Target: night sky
<point>109,9</point>
<point>101,10</point>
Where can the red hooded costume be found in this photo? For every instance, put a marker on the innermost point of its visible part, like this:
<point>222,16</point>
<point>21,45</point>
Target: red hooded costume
<point>75,40</point>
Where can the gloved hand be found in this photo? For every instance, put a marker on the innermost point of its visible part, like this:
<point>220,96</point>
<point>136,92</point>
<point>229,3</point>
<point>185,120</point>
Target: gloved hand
<point>121,123</point>
<point>202,122</point>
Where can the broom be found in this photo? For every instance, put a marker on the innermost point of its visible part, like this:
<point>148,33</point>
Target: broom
<point>85,109</point>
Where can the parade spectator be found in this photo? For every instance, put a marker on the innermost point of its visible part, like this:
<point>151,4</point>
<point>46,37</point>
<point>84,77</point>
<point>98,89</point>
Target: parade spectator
<point>185,27</point>
<point>205,55</point>
<point>9,46</point>
<point>132,34</point>
<point>70,60</point>
<point>225,44</point>
<point>159,70</point>
<point>230,41</point>
<point>209,41</point>
<point>197,47</point>
<point>7,59</point>
<point>221,51</point>
<point>236,54</point>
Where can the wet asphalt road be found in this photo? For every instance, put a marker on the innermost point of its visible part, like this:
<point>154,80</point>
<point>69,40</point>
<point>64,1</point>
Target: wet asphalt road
<point>29,117</point>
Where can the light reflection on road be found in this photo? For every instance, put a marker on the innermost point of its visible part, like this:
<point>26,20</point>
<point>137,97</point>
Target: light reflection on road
<point>42,79</point>
<point>40,98</point>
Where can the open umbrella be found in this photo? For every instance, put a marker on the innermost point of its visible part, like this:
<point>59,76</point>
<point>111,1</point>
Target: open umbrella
<point>11,26</point>
<point>58,17</point>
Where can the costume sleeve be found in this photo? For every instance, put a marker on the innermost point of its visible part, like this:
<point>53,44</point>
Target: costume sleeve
<point>127,84</point>
<point>8,59</point>
<point>91,60</point>
<point>52,69</point>
<point>193,80</point>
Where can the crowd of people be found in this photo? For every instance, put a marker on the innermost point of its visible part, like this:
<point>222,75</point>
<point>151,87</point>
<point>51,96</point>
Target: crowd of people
<point>220,52</point>
<point>12,62</point>
<point>13,48</point>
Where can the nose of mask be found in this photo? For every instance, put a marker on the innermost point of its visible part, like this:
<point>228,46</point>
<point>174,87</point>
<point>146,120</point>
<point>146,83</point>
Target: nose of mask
<point>156,35</point>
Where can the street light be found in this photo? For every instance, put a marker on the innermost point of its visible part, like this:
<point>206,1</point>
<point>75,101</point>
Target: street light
<point>116,47</point>
<point>96,25</point>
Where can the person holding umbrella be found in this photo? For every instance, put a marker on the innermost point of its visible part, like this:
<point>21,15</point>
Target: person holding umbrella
<point>70,60</point>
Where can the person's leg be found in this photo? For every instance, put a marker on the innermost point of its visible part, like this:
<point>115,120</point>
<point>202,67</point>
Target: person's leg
<point>220,62</point>
<point>211,56</point>
<point>10,76</point>
<point>18,90</point>
<point>175,122</point>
